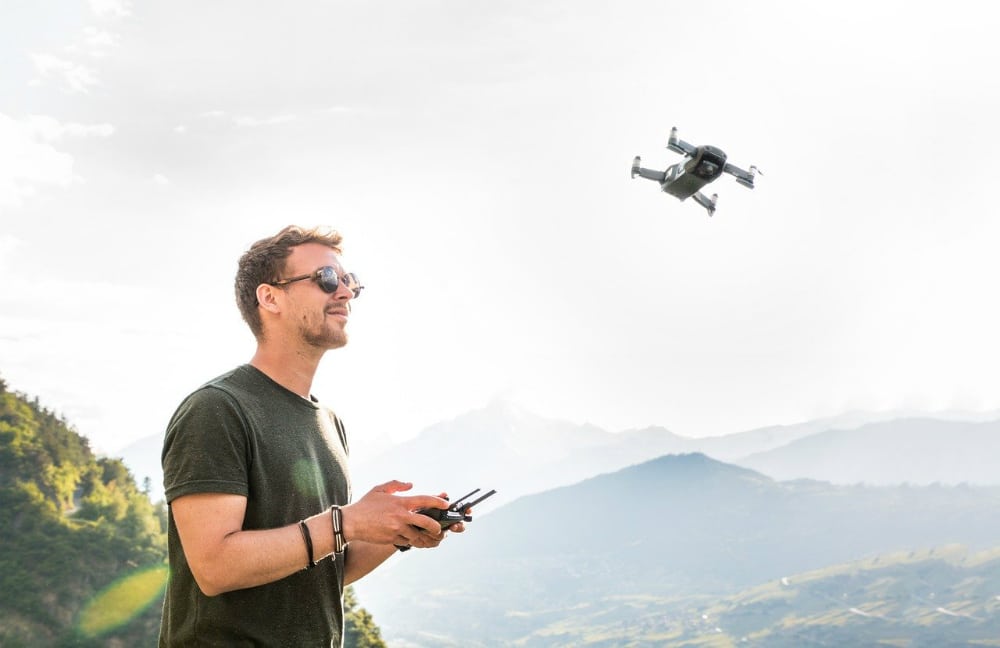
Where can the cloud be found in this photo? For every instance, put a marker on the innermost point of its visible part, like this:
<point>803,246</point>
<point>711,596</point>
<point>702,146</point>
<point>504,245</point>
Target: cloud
<point>116,8</point>
<point>247,121</point>
<point>266,121</point>
<point>8,246</point>
<point>97,41</point>
<point>28,159</point>
<point>161,179</point>
<point>77,77</point>
<point>26,162</point>
<point>335,110</point>
<point>242,121</point>
<point>50,129</point>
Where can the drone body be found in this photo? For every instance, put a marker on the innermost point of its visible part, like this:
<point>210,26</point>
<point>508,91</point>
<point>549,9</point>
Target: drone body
<point>685,179</point>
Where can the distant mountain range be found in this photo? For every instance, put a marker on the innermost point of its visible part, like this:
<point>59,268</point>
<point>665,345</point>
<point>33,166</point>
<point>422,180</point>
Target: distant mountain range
<point>917,451</point>
<point>679,528</point>
<point>505,447</point>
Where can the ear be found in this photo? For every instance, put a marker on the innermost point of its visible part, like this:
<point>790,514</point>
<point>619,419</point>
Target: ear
<point>267,298</point>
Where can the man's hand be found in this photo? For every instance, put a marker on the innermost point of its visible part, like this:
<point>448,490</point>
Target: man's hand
<point>381,517</point>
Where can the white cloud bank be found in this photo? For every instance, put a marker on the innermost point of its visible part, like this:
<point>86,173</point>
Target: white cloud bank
<point>28,159</point>
<point>76,77</point>
<point>113,8</point>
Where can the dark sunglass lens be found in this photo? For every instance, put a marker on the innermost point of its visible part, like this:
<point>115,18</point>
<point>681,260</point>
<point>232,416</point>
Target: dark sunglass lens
<point>353,283</point>
<point>327,279</point>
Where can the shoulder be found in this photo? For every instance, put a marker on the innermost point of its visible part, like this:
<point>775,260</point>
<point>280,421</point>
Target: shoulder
<point>241,382</point>
<point>217,403</point>
<point>237,386</point>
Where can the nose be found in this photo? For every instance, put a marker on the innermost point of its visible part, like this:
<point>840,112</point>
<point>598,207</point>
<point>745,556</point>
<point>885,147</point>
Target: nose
<point>343,292</point>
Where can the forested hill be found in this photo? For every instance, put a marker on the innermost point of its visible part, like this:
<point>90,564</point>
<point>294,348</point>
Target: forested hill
<point>82,549</point>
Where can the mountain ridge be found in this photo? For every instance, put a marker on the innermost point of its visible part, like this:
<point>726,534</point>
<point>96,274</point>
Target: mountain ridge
<point>912,450</point>
<point>676,527</point>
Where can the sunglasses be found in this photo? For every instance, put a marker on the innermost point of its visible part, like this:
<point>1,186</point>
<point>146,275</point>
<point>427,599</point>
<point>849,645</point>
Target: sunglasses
<point>328,280</point>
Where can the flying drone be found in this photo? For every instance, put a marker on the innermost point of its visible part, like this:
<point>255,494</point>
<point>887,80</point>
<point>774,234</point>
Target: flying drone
<point>703,165</point>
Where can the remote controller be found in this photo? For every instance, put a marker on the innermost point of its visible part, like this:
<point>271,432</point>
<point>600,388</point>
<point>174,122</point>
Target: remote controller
<point>457,512</point>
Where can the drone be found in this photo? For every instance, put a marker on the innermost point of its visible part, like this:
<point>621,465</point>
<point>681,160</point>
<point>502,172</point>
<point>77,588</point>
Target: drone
<point>703,165</point>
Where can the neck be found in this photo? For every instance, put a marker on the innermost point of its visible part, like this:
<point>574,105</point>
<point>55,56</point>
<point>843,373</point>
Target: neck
<point>293,369</point>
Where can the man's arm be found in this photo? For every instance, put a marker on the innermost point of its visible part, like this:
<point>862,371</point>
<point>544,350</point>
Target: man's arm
<point>363,557</point>
<point>223,557</point>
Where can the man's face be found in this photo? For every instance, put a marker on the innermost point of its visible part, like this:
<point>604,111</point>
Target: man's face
<point>319,318</point>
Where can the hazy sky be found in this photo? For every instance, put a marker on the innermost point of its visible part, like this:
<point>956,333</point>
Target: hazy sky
<point>476,157</point>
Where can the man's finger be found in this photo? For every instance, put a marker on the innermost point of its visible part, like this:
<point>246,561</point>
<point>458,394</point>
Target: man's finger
<point>414,502</point>
<point>425,524</point>
<point>393,486</point>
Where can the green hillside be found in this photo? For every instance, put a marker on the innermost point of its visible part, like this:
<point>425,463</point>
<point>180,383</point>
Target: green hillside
<point>82,549</point>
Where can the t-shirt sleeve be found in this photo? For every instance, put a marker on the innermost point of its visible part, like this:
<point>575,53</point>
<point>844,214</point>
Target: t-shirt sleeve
<point>206,448</point>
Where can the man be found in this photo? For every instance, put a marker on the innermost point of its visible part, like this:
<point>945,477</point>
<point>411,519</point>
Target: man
<point>255,471</point>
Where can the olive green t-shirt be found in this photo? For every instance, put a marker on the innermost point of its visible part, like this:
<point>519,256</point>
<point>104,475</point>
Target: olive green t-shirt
<point>244,434</point>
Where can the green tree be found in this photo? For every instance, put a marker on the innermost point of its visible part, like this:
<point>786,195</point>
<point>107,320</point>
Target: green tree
<point>360,630</point>
<point>71,525</point>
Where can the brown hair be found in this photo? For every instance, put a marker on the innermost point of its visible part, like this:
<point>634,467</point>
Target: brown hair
<point>265,261</point>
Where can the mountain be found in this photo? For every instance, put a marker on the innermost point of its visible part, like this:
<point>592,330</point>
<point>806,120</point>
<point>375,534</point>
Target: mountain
<point>932,599</point>
<point>729,447</point>
<point>735,446</point>
<point>678,527</point>
<point>506,448</point>
<point>916,451</point>
<point>82,557</point>
<point>938,597</point>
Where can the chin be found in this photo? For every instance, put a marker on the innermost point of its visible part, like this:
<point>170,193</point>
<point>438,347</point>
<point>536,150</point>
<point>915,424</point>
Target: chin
<point>328,341</point>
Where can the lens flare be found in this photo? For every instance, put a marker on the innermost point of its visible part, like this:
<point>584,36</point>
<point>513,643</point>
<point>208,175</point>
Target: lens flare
<point>122,601</point>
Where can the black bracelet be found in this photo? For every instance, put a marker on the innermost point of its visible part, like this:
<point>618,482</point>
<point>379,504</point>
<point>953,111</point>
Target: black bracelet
<point>309,543</point>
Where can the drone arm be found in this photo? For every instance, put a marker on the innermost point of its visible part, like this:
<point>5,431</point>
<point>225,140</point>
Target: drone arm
<point>678,145</point>
<point>707,203</point>
<point>745,178</point>
<point>649,174</point>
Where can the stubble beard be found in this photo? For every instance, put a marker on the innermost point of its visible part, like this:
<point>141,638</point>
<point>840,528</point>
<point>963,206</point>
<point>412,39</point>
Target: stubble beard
<point>324,336</point>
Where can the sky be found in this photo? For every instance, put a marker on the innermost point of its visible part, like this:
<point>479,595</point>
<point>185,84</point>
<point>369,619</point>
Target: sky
<point>475,156</point>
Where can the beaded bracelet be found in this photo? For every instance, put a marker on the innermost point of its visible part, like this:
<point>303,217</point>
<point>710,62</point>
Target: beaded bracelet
<point>337,518</point>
